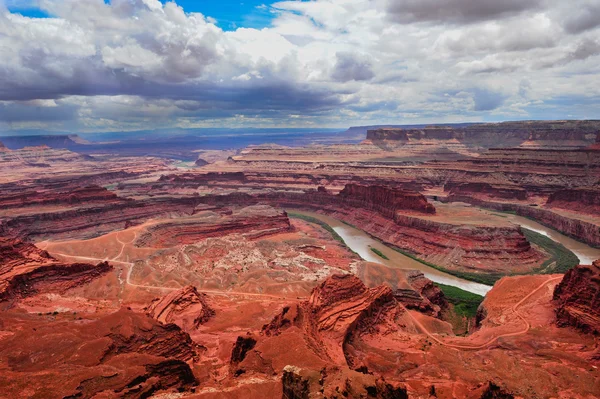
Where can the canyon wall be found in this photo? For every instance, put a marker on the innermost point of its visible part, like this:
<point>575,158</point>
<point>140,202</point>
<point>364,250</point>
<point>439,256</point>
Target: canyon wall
<point>25,270</point>
<point>581,230</point>
<point>487,190</point>
<point>20,197</point>
<point>385,200</point>
<point>464,248</point>
<point>252,222</point>
<point>577,298</point>
<point>585,200</point>
<point>506,134</point>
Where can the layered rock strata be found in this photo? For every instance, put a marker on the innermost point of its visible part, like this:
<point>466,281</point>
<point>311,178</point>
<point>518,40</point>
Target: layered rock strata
<point>577,298</point>
<point>533,133</point>
<point>185,307</point>
<point>583,200</point>
<point>573,227</point>
<point>25,271</point>
<point>253,222</point>
<point>124,354</point>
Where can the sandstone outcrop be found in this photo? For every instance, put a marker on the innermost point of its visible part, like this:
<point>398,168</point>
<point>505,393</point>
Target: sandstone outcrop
<point>507,134</point>
<point>124,354</point>
<point>26,270</point>
<point>252,221</point>
<point>410,287</point>
<point>385,200</point>
<point>577,298</point>
<point>487,190</point>
<point>94,220</point>
<point>583,200</point>
<point>338,309</point>
<point>336,383</point>
<point>185,307</point>
<point>579,229</point>
<point>85,195</point>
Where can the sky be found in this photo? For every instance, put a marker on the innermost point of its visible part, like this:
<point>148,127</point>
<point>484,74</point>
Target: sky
<point>124,65</point>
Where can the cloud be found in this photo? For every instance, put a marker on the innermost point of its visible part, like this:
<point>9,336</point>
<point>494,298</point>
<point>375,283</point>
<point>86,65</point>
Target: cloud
<point>350,67</point>
<point>487,100</point>
<point>143,63</point>
<point>583,18</point>
<point>456,11</point>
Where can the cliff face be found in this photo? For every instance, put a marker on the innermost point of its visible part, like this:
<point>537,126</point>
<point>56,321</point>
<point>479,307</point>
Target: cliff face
<point>579,200</point>
<point>385,200</point>
<point>577,299</point>
<point>84,195</point>
<point>26,270</point>
<point>337,310</point>
<point>506,134</point>
<point>95,220</point>
<point>578,229</point>
<point>185,307</point>
<point>252,221</point>
<point>487,190</point>
<point>124,354</point>
<point>460,247</point>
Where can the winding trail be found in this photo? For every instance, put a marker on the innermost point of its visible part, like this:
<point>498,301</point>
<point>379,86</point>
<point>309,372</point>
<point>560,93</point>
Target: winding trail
<point>493,340</point>
<point>152,287</point>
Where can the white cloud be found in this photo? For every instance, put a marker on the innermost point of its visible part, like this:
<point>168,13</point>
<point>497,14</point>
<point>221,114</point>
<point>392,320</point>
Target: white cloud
<point>335,62</point>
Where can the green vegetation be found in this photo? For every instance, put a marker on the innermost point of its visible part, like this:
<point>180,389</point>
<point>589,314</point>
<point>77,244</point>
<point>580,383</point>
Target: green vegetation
<point>350,224</point>
<point>379,253</point>
<point>561,259</point>
<point>488,278</point>
<point>321,223</point>
<point>465,303</point>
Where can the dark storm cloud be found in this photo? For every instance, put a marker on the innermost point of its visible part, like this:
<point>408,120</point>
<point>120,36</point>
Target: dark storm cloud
<point>583,18</point>
<point>456,11</point>
<point>349,67</point>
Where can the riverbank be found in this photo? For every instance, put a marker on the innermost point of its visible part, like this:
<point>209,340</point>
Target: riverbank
<point>362,243</point>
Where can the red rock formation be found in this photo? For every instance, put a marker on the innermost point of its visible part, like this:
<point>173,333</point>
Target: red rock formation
<point>124,354</point>
<point>52,278</point>
<point>410,287</point>
<point>459,247</point>
<point>338,308</point>
<point>3,147</point>
<point>95,220</point>
<point>577,298</point>
<point>431,296</point>
<point>487,190</point>
<point>584,200</point>
<point>205,178</point>
<point>385,200</point>
<point>26,270</point>
<point>253,221</point>
<point>576,228</point>
<point>337,383</point>
<point>84,195</point>
<point>185,307</point>
<point>506,134</point>
<point>16,253</point>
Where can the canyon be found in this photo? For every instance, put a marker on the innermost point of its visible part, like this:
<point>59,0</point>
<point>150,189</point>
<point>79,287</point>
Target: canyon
<point>235,275</point>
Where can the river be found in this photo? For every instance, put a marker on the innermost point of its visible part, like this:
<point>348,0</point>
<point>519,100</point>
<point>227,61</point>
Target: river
<point>584,252</point>
<point>361,243</point>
